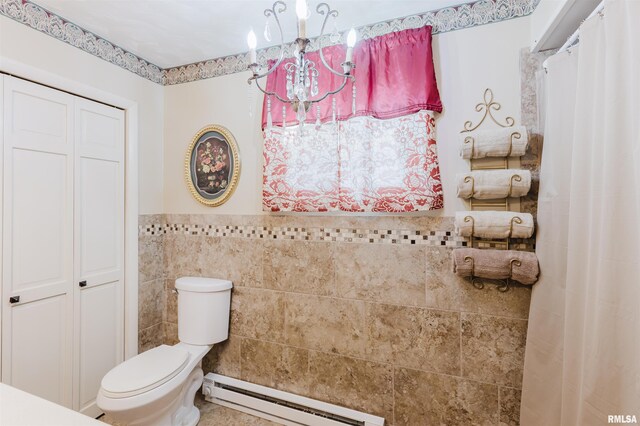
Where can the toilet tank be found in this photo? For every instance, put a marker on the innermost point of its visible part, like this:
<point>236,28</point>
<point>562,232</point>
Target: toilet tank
<point>203,310</point>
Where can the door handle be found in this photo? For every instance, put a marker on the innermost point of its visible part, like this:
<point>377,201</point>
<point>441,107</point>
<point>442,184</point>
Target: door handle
<point>82,283</point>
<point>14,299</point>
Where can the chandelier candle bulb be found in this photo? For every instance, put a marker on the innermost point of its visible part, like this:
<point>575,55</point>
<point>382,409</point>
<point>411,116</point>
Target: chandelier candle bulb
<point>302,29</point>
<point>351,41</point>
<point>302,11</point>
<point>252,41</point>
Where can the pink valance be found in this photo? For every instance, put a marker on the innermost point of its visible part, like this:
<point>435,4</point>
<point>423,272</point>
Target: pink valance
<point>394,75</point>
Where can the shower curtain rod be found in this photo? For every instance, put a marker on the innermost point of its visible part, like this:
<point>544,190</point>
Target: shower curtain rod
<point>575,37</point>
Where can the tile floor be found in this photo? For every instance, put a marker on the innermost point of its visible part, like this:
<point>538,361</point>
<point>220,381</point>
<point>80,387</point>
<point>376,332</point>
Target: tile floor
<point>216,415</point>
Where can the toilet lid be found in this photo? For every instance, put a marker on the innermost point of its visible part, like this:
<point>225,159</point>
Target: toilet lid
<point>144,372</point>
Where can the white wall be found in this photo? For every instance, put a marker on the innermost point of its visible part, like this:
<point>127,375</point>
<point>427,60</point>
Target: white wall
<point>30,47</point>
<point>467,62</point>
<point>225,101</point>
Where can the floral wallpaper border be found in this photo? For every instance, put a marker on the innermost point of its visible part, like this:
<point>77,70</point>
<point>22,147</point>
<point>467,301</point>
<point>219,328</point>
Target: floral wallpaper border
<point>467,15</point>
<point>49,23</point>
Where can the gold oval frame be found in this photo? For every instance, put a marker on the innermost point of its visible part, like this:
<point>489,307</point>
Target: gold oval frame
<point>233,180</point>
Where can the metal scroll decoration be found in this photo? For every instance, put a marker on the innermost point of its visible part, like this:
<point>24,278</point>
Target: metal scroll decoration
<point>487,106</point>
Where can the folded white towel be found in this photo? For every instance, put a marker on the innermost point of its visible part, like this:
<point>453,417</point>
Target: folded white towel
<point>503,142</point>
<point>492,184</point>
<point>492,224</point>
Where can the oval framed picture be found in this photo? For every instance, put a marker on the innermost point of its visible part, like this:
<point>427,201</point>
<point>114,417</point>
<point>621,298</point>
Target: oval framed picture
<point>212,165</point>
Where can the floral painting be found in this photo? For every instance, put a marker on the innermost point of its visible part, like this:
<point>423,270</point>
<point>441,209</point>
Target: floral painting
<point>213,165</point>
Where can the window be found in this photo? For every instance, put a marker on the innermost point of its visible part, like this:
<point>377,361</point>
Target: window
<point>381,157</point>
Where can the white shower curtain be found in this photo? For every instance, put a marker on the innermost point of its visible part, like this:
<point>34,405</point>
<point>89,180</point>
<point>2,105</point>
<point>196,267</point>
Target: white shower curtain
<point>582,360</point>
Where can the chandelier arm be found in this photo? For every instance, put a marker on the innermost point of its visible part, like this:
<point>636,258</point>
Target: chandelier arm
<point>333,92</point>
<point>266,92</point>
<point>325,10</point>
<point>274,12</point>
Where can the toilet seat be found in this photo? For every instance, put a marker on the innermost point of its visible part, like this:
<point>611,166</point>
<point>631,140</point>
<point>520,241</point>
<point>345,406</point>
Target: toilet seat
<point>144,372</point>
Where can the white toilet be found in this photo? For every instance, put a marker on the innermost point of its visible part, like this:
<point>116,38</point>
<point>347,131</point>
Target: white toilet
<point>158,387</point>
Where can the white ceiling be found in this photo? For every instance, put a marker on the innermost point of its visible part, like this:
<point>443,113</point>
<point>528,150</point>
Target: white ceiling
<point>169,33</point>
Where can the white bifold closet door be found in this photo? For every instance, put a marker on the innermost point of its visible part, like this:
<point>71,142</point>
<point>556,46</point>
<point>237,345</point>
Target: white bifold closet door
<point>37,258</point>
<point>98,246</point>
<point>62,262</point>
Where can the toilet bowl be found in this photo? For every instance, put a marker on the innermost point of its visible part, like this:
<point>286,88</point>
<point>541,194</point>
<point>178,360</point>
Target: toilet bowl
<point>158,387</point>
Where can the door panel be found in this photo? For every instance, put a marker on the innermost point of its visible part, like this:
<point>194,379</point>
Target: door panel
<point>101,221</point>
<point>39,120</point>
<point>99,248</point>
<point>39,346</point>
<point>37,222</point>
<point>101,134</point>
<point>40,228</point>
<point>98,334</point>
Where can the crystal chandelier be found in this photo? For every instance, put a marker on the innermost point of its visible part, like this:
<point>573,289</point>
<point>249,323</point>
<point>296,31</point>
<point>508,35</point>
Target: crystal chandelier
<point>301,74</point>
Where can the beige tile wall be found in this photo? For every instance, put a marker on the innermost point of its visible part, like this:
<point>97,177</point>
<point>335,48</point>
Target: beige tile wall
<point>151,287</point>
<point>383,328</point>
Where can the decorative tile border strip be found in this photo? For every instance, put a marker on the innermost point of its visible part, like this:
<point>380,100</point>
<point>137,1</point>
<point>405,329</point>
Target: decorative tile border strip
<point>467,15</point>
<point>345,235</point>
<point>51,24</point>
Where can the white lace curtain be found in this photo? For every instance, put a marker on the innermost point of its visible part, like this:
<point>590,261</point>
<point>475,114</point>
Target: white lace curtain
<point>359,165</point>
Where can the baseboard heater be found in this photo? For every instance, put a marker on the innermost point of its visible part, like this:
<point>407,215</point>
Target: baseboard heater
<point>280,407</point>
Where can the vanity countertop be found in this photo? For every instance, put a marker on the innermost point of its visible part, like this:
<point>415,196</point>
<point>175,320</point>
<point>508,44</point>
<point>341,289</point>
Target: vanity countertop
<point>18,408</point>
